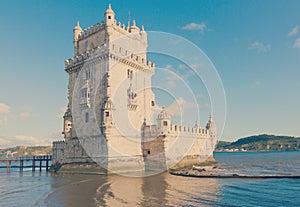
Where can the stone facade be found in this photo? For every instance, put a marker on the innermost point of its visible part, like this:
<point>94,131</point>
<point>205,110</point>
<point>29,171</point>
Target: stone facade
<point>109,119</point>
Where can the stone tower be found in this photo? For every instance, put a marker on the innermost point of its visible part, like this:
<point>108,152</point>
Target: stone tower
<point>109,93</point>
<point>111,106</point>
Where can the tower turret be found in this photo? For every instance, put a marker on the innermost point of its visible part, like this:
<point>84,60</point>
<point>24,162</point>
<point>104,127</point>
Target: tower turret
<point>197,126</point>
<point>67,125</point>
<point>77,32</point>
<point>134,28</point>
<point>211,127</point>
<point>109,15</point>
<point>163,121</point>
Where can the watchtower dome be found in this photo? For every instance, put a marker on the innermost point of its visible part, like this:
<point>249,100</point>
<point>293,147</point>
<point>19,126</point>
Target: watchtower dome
<point>109,15</point>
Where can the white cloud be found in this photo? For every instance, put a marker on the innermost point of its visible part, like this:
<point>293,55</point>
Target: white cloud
<point>260,47</point>
<point>195,26</point>
<point>200,96</point>
<point>4,108</point>
<point>56,135</point>
<point>23,115</point>
<point>294,31</point>
<point>205,105</point>
<point>3,121</point>
<point>182,66</point>
<point>169,67</point>
<point>297,43</point>
<point>257,83</point>
<point>61,112</point>
<point>178,106</point>
<point>22,140</point>
<point>194,66</point>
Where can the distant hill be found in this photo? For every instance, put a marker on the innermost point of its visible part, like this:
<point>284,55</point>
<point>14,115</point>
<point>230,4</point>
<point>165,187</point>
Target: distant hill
<point>261,142</point>
<point>20,151</point>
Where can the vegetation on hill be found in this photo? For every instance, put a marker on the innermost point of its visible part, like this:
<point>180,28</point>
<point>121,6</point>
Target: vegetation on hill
<point>261,142</point>
<point>20,151</point>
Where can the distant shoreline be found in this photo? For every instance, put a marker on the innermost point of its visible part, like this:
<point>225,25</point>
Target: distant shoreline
<point>263,142</point>
<point>224,151</point>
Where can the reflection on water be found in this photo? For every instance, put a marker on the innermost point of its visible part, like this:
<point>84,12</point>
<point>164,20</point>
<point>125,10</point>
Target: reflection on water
<point>44,189</point>
<point>115,190</point>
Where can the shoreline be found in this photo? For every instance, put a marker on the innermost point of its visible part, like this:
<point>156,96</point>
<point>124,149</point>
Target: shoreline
<point>256,151</point>
<point>238,176</point>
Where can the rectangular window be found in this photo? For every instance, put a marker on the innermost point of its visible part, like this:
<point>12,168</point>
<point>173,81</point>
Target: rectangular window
<point>107,113</point>
<point>87,74</point>
<point>165,123</point>
<point>152,103</point>
<point>87,117</point>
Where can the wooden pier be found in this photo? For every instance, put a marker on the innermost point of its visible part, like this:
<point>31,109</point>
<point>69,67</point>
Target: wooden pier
<point>32,162</point>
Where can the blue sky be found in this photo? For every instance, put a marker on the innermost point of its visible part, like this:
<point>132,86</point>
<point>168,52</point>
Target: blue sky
<point>254,45</point>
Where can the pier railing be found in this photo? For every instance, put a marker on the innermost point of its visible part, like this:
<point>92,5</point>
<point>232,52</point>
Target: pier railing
<point>33,162</point>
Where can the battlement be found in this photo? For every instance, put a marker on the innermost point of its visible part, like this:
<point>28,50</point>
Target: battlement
<point>84,56</point>
<point>151,131</point>
<point>128,55</point>
<point>154,131</point>
<point>101,26</point>
<point>116,50</point>
<point>59,145</point>
<point>91,30</point>
<point>188,130</point>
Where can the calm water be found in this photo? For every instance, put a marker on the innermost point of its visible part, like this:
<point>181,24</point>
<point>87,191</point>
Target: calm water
<point>42,189</point>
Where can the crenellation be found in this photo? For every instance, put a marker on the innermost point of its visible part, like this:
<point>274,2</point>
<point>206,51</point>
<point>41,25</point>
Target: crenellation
<point>121,53</point>
<point>176,129</point>
<point>84,56</point>
<point>91,30</point>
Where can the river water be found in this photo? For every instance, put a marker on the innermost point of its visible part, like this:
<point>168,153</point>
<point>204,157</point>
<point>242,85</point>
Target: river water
<point>45,189</point>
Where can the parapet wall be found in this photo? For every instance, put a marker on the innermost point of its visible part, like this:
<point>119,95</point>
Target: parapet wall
<point>91,30</point>
<point>153,130</point>
<point>116,52</point>
<point>58,151</point>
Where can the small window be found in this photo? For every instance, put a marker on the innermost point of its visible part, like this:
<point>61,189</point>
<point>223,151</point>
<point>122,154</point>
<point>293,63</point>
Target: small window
<point>107,113</point>
<point>87,117</point>
<point>165,123</point>
<point>109,17</point>
<point>87,74</point>
<point>148,151</point>
<point>152,103</point>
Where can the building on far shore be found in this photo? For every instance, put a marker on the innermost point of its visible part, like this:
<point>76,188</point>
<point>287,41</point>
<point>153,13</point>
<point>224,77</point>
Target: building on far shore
<point>109,120</point>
